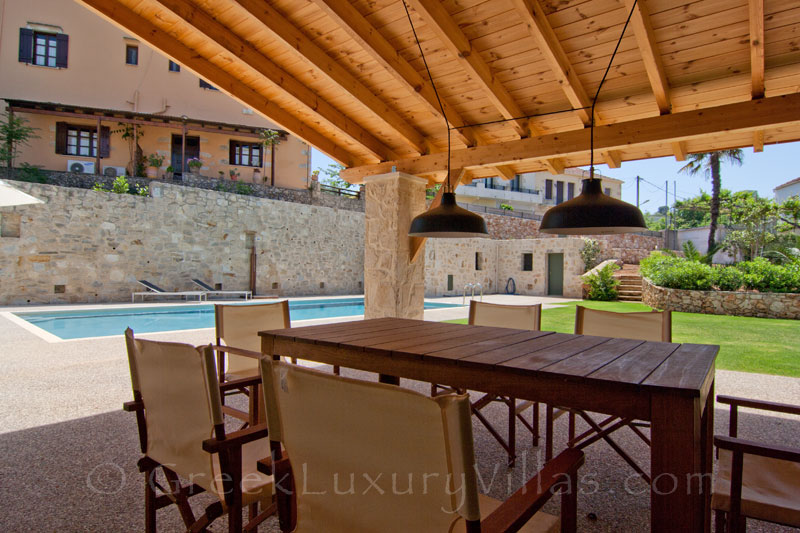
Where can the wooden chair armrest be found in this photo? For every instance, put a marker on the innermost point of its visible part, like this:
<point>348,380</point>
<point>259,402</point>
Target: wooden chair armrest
<point>237,351</point>
<point>235,439</point>
<point>759,404</point>
<point>240,383</point>
<point>756,448</point>
<point>265,465</point>
<point>133,406</point>
<point>523,504</point>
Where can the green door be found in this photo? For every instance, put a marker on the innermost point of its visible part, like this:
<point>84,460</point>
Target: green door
<point>555,274</point>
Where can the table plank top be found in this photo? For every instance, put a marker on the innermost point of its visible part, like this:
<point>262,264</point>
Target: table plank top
<point>661,365</point>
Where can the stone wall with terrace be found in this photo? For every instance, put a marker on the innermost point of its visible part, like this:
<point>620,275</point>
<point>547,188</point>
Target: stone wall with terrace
<point>88,246</point>
<point>757,304</point>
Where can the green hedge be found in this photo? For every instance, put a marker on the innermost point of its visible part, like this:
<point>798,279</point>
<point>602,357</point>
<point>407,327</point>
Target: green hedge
<point>675,272</point>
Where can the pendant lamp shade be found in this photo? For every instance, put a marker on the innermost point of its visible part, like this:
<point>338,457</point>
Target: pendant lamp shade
<point>448,221</point>
<point>592,213</point>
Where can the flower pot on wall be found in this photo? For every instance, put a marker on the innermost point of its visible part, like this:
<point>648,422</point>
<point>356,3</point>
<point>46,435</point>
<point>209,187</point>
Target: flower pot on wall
<point>257,175</point>
<point>152,172</point>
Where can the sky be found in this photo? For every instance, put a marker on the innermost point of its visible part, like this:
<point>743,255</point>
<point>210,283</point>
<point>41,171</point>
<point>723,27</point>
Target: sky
<point>762,172</point>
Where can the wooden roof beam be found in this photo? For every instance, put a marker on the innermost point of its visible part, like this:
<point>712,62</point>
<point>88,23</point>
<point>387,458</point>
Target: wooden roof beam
<point>756,8</point>
<point>376,45</point>
<point>612,158</point>
<point>679,149</point>
<point>648,47</point>
<point>758,141</point>
<point>554,165</point>
<point>538,26</point>
<point>279,78</point>
<point>746,116</point>
<point>439,20</point>
<point>148,32</point>
<point>305,49</point>
<point>505,172</point>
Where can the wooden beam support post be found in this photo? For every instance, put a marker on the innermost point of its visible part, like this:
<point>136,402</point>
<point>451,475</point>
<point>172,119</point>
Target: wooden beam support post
<point>555,165</point>
<point>679,149</point>
<point>756,8</point>
<point>612,158</point>
<point>758,141</point>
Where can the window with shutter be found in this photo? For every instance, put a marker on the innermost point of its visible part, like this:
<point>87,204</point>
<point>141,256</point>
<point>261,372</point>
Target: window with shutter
<point>25,45</point>
<point>81,140</point>
<point>43,49</point>
<point>246,154</point>
<point>131,55</point>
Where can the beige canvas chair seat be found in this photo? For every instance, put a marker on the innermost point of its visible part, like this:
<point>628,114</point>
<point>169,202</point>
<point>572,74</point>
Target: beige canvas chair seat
<point>375,457</point>
<point>755,480</point>
<point>644,326</point>
<point>527,317</point>
<point>178,405</point>
<point>770,488</point>
<point>540,523</point>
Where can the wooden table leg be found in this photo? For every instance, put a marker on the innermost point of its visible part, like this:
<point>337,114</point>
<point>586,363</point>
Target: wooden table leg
<point>677,464</point>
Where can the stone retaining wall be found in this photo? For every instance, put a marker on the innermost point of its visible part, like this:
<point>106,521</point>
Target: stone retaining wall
<point>88,246</point>
<point>757,304</point>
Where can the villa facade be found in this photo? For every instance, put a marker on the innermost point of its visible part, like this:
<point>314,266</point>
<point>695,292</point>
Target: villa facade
<point>90,89</point>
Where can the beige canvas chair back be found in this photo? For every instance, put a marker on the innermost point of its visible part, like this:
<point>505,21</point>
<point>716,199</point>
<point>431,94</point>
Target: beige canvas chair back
<point>179,388</point>
<point>238,326</point>
<point>646,326</point>
<point>505,316</point>
<point>369,456</point>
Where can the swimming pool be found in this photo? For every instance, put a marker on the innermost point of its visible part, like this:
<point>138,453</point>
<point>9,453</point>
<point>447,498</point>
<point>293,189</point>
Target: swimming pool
<point>106,322</point>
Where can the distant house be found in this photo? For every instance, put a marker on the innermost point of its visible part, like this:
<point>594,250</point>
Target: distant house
<point>89,88</point>
<point>786,190</point>
<point>534,191</point>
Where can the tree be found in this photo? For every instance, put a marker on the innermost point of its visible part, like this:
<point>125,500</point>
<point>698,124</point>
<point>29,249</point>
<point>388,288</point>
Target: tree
<point>332,178</point>
<point>709,163</point>
<point>13,134</point>
<point>756,219</point>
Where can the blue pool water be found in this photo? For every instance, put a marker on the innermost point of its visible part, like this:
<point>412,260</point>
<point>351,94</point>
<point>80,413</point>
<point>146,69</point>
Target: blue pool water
<point>106,322</point>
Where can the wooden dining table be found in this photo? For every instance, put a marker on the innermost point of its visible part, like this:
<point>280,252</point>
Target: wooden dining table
<point>669,384</point>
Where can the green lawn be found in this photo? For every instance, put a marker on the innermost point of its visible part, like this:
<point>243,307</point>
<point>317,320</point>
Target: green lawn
<point>762,345</point>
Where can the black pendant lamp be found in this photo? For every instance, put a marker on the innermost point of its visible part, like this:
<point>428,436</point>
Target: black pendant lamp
<point>447,220</point>
<point>592,212</point>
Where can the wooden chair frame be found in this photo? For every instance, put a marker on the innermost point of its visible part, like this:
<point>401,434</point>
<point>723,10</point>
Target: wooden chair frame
<point>557,475</point>
<point>604,428</point>
<point>515,411</point>
<point>229,450</point>
<point>734,521</point>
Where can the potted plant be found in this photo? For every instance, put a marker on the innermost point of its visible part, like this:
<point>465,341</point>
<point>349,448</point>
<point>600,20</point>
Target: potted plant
<point>170,171</point>
<point>256,175</point>
<point>194,165</point>
<point>154,162</point>
<point>234,173</point>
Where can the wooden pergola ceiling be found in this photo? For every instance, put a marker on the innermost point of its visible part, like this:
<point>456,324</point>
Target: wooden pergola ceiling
<point>516,77</point>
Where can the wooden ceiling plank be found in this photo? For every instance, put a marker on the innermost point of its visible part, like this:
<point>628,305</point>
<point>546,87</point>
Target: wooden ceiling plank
<point>679,149</point>
<point>758,141</point>
<point>554,165</point>
<point>155,36</point>
<point>757,47</point>
<point>612,158</point>
<point>371,40</point>
<point>651,57</point>
<point>279,78</point>
<point>296,41</point>
<point>449,33</point>
<point>539,28</point>
<point>725,120</point>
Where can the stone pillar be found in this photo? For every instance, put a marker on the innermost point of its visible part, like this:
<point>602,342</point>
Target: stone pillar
<point>393,287</point>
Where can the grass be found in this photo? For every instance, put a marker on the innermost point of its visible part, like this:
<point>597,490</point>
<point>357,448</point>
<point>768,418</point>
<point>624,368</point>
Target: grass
<point>760,345</point>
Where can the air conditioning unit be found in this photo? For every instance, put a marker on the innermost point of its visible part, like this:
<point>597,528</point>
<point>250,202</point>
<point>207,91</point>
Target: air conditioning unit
<point>86,167</point>
<point>113,172</point>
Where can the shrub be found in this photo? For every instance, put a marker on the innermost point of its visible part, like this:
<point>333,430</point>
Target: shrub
<point>31,174</point>
<point>120,185</point>
<point>676,273</point>
<point>243,188</point>
<point>590,253</point>
<point>506,207</point>
<point>602,283</point>
<point>728,278</point>
<point>761,275</point>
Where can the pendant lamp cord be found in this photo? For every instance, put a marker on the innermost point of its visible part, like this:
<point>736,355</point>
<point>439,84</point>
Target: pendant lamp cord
<point>597,93</point>
<point>447,186</point>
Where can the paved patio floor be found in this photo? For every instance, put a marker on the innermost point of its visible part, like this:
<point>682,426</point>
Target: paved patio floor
<point>68,452</point>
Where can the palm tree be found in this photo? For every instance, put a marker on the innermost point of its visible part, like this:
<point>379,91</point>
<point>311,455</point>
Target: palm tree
<point>709,164</point>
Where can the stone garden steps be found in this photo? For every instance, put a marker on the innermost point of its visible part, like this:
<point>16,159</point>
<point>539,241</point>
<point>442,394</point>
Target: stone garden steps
<point>630,287</point>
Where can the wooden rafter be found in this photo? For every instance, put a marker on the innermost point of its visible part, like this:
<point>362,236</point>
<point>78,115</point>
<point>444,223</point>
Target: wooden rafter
<point>371,40</point>
<point>679,149</point>
<point>742,117</point>
<point>535,19</point>
<point>757,47</point>
<point>280,79</point>
<point>446,29</point>
<point>505,172</point>
<point>555,165</point>
<point>612,158</point>
<point>172,47</point>
<point>651,57</point>
<point>758,141</point>
<point>305,49</point>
